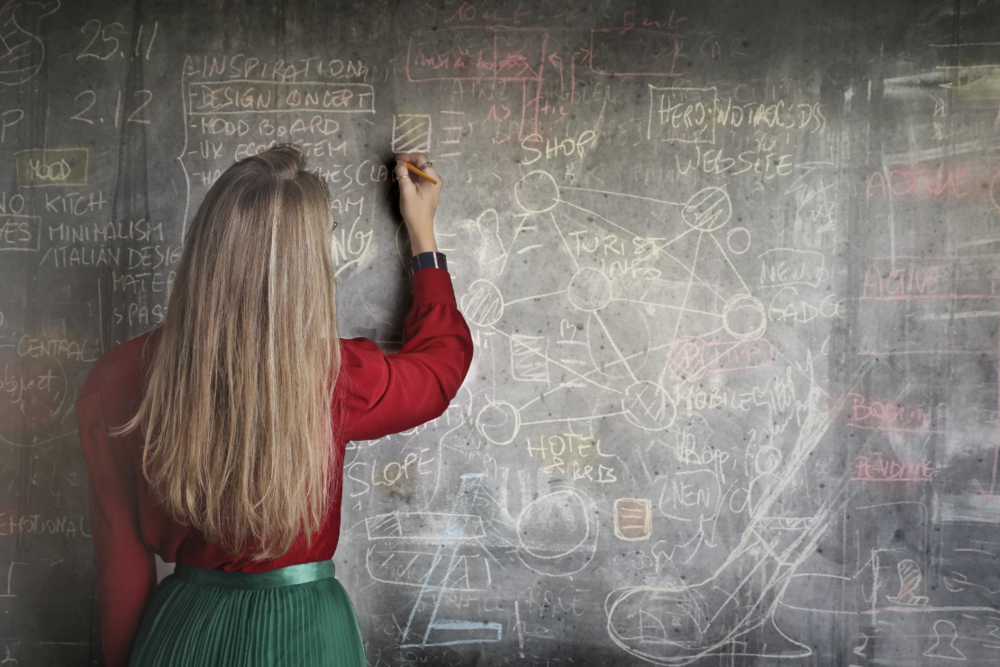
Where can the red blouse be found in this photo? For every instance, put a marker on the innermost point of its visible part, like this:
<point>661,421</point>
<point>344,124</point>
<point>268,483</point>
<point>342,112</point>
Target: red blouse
<point>375,395</point>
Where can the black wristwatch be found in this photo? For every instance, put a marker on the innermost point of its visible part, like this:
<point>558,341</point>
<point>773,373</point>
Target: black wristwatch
<point>429,259</point>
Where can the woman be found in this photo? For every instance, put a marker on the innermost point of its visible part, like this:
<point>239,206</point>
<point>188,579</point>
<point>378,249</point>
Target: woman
<point>217,439</point>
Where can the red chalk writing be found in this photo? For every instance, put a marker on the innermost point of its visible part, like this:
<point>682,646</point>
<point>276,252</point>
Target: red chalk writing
<point>883,281</point>
<point>882,469</point>
<point>893,416</point>
<point>918,182</point>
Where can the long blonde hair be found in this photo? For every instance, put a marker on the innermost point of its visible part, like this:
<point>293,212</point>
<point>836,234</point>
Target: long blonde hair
<point>239,389</point>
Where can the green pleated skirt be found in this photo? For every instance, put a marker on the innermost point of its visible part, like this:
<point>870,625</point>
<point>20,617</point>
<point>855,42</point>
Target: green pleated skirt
<point>299,616</point>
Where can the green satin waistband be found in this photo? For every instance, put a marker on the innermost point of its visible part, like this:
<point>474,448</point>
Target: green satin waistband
<point>283,576</point>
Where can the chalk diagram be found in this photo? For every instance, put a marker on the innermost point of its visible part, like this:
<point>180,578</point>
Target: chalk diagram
<point>441,554</point>
<point>22,51</point>
<point>708,321</point>
<point>704,307</point>
<point>559,296</point>
<point>682,622</point>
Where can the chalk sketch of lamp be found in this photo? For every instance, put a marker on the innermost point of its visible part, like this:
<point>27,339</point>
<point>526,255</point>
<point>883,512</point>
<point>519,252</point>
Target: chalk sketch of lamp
<point>436,573</point>
<point>556,533</point>
<point>680,623</point>
<point>910,579</point>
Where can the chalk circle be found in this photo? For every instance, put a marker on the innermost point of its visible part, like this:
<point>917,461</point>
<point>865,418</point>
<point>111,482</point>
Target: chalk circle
<point>744,317</point>
<point>558,518</point>
<point>536,192</point>
<point>708,209</point>
<point>685,642</point>
<point>498,422</point>
<point>767,460</point>
<point>738,240</point>
<point>822,275</point>
<point>482,303</point>
<point>589,290</point>
<point>648,406</point>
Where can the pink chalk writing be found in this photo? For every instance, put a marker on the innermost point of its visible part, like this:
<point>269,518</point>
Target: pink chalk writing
<point>953,277</point>
<point>690,360</point>
<point>918,182</point>
<point>883,469</point>
<point>469,12</point>
<point>671,23</point>
<point>883,281</point>
<point>476,53</point>
<point>893,416</point>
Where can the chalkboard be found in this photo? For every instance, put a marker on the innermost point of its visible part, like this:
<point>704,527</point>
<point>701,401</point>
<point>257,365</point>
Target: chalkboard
<point>730,268</point>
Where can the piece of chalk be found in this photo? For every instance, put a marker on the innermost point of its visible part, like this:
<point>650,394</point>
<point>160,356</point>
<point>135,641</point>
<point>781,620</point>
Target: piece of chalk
<point>420,173</point>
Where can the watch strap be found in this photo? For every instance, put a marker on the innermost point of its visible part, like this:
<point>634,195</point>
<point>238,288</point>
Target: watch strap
<point>429,259</point>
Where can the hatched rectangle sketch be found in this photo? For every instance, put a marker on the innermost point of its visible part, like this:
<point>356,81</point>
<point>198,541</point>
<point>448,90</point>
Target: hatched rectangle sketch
<point>411,133</point>
<point>529,358</point>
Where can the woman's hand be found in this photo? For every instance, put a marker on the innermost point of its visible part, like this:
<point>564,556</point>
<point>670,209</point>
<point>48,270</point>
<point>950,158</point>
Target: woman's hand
<point>418,200</point>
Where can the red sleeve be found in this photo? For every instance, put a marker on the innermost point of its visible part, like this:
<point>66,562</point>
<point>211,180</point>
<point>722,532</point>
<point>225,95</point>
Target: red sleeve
<point>125,564</point>
<point>389,393</point>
